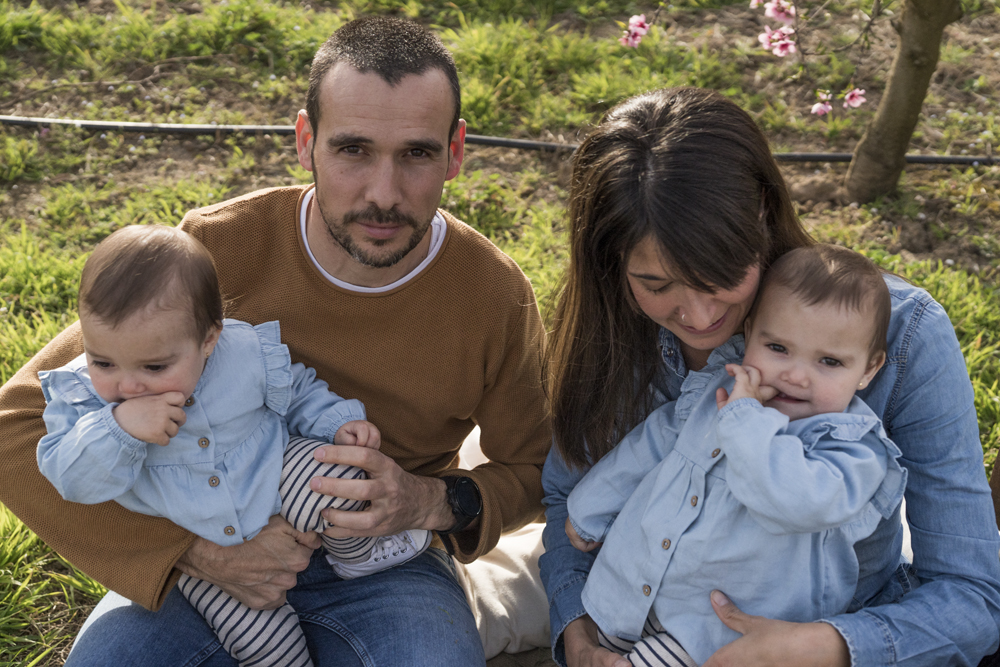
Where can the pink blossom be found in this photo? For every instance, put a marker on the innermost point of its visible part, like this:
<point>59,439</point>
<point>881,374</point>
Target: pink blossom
<point>637,27</point>
<point>630,39</point>
<point>780,10</point>
<point>822,108</point>
<point>754,4</point>
<point>778,42</point>
<point>638,24</point>
<point>824,95</point>
<point>854,98</point>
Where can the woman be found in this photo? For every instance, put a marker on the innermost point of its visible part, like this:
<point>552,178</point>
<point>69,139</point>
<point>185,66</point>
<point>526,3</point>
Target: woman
<point>676,208</point>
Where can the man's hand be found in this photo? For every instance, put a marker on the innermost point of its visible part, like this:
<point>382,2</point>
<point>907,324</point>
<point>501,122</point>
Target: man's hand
<point>359,433</point>
<point>576,540</point>
<point>747,386</point>
<point>769,643</point>
<point>257,572</point>
<point>399,500</point>
<point>582,649</point>
<point>155,418</point>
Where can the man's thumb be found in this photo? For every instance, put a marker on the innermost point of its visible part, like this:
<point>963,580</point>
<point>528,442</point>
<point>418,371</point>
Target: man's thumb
<point>729,613</point>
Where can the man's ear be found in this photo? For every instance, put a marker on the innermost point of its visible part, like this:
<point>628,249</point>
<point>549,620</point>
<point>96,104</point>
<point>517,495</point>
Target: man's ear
<point>304,140</point>
<point>873,367</point>
<point>456,151</point>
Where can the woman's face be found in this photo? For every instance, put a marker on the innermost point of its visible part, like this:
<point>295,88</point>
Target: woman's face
<point>701,320</point>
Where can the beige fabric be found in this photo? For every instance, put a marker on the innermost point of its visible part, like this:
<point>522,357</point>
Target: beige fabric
<point>504,587</point>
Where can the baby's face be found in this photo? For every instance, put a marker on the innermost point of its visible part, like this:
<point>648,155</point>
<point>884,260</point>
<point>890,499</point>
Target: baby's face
<point>815,356</point>
<point>152,352</point>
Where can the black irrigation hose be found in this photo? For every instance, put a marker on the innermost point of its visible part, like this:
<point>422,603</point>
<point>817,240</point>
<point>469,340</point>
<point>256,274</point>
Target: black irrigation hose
<point>524,144</point>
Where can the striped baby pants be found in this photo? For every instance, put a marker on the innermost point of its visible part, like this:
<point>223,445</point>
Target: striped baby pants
<point>273,637</point>
<point>656,648</point>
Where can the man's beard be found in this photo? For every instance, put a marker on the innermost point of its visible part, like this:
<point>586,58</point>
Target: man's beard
<point>339,233</point>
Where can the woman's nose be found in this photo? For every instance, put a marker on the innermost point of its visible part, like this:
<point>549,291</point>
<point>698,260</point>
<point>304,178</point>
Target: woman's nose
<point>701,310</point>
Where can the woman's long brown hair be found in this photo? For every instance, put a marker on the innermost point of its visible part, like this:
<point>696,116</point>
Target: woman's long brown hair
<point>693,170</point>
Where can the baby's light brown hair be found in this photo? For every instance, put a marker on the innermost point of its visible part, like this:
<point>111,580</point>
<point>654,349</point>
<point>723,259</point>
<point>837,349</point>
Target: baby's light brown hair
<point>821,274</point>
<point>151,265</point>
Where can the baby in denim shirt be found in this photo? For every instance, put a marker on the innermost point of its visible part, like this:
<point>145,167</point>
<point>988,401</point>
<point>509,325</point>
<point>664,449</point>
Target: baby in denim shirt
<point>757,481</point>
<point>173,412</point>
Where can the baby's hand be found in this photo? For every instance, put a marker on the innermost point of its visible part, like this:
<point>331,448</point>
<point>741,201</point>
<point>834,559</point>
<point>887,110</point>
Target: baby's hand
<point>578,541</point>
<point>360,433</point>
<point>155,418</point>
<point>747,386</point>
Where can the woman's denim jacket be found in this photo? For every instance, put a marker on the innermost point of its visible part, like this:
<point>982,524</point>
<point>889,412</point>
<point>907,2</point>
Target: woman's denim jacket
<point>944,609</point>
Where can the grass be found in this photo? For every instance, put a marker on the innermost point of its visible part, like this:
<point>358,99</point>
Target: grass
<point>544,69</point>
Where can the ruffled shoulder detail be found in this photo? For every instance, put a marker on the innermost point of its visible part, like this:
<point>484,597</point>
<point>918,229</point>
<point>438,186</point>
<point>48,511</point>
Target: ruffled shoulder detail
<point>277,367</point>
<point>696,382</point>
<point>855,425</point>
<point>71,384</point>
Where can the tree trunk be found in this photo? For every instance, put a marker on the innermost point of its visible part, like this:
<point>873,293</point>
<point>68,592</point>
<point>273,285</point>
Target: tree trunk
<point>879,157</point>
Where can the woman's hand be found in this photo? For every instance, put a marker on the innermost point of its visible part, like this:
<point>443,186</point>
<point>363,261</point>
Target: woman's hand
<point>576,540</point>
<point>582,649</point>
<point>770,643</point>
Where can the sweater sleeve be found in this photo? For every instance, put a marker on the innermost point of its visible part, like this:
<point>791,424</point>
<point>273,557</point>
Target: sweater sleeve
<point>516,434</point>
<point>129,553</point>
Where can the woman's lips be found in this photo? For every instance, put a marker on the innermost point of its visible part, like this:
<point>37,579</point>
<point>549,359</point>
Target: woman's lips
<point>712,328</point>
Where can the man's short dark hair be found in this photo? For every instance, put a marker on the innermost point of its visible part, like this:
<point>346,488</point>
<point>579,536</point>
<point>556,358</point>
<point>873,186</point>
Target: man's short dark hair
<point>392,48</point>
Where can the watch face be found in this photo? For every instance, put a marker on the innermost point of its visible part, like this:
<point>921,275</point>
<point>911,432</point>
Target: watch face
<point>468,498</point>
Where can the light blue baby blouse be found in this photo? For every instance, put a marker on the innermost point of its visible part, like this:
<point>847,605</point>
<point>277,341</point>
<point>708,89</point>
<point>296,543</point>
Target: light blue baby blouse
<point>738,499</point>
<point>219,475</point>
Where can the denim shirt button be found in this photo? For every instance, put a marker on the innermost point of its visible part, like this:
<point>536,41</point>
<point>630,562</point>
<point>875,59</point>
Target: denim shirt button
<point>694,501</point>
<point>230,531</point>
<point>188,403</point>
<point>203,442</point>
<point>666,544</point>
<point>213,481</point>
<point>716,452</point>
<point>646,590</point>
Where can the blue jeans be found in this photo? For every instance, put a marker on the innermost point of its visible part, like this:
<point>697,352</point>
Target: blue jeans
<point>415,614</point>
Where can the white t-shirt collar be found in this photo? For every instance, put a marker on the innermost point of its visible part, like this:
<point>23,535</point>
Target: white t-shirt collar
<point>438,227</point>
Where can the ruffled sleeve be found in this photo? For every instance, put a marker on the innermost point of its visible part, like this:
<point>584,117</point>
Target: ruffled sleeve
<point>277,367</point>
<point>696,382</point>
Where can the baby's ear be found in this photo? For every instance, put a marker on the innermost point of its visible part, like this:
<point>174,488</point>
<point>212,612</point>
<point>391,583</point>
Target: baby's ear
<point>874,365</point>
<point>211,338</point>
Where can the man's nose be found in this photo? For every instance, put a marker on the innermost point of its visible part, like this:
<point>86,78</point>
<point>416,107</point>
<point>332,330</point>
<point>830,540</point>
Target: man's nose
<point>384,186</point>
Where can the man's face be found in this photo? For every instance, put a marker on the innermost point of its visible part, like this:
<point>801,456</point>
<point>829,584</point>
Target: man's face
<point>380,157</point>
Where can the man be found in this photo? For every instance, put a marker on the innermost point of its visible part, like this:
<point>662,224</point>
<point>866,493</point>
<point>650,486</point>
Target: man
<point>392,302</point>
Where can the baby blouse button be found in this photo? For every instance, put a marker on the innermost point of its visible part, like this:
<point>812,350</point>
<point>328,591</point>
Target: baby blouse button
<point>666,544</point>
<point>716,452</point>
<point>188,403</point>
<point>230,531</point>
<point>213,481</point>
<point>694,501</point>
<point>203,442</point>
<point>646,590</point>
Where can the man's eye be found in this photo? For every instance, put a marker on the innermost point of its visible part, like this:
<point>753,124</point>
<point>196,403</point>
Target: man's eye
<point>351,150</point>
<point>418,152</point>
<point>831,362</point>
<point>774,347</point>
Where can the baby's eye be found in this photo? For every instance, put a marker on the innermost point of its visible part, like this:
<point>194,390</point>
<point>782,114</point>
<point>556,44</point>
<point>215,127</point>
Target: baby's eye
<point>831,362</point>
<point>775,347</point>
<point>102,364</point>
<point>156,368</point>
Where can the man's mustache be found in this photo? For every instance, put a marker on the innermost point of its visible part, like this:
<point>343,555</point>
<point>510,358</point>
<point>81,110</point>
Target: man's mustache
<point>380,216</point>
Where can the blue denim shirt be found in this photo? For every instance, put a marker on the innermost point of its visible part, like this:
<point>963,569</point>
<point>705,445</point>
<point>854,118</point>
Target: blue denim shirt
<point>219,475</point>
<point>693,490</point>
<point>948,607</point>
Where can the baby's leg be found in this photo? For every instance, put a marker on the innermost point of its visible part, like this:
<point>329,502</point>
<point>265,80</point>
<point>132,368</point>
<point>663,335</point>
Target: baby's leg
<point>267,638</point>
<point>301,506</point>
<point>350,557</point>
<point>656,648</point>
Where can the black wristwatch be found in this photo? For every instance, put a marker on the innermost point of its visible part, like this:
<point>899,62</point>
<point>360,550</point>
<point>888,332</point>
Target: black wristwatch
<point>466,502</point>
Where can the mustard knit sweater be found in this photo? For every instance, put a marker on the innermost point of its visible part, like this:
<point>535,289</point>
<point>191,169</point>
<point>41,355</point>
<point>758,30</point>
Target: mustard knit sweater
<point>457,345</point>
